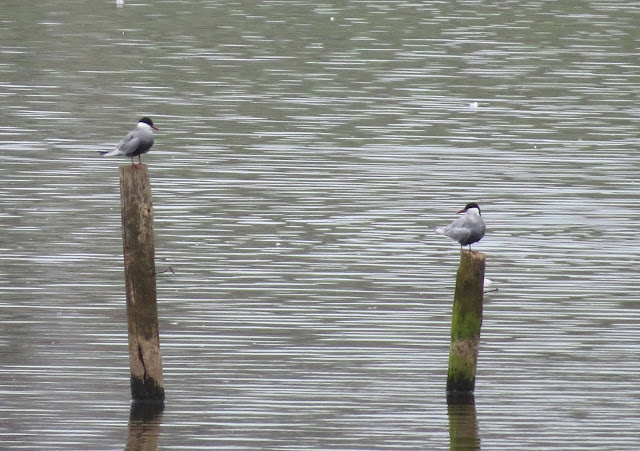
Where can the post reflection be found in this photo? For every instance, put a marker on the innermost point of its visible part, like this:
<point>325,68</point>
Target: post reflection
<point>145,420</point>
<point>463,425</point>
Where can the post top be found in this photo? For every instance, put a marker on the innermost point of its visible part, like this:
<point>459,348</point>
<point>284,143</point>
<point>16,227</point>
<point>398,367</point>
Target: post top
<point>472,254</point>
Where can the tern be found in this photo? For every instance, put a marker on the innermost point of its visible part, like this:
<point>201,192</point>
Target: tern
<point>138,141</point>
<point>467,229</point>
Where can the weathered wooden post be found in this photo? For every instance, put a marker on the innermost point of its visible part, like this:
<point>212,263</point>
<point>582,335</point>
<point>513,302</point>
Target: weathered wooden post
<point>466,322</point>
<point>140,279</point>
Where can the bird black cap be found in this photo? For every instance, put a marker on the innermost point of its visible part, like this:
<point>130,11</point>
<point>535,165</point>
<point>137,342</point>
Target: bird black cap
<point>472,205</point>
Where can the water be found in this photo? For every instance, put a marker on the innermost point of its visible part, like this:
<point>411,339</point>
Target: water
<point>306,152</point>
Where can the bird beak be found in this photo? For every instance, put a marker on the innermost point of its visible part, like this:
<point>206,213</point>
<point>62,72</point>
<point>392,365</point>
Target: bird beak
<point>462,211</point>
<point>155,128</point>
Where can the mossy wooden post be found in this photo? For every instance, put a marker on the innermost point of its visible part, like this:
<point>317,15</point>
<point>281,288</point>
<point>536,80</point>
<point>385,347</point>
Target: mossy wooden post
<point>466,322</point>
<point>140,278</point>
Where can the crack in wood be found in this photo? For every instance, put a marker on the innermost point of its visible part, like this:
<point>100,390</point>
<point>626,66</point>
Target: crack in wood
<point>144,366</point>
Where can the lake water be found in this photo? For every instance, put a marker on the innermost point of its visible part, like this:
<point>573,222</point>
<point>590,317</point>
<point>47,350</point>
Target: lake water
<point>306,153</point>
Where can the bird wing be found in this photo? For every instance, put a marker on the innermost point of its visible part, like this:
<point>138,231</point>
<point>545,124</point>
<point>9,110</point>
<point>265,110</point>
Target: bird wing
<point>466,229</point>
<point>461,222</point>
<point>129,144</point>
<point>460,234</point>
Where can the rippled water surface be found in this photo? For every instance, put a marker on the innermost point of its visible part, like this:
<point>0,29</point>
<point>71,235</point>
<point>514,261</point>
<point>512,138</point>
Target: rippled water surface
<point>306,153</point>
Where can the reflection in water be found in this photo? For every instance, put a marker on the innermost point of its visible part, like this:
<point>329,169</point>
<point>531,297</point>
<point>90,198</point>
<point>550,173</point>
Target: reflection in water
<point>463,425</point>
<point>145,421</point>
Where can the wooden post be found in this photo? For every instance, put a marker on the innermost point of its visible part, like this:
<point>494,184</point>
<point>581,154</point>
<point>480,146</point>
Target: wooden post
<point>140,278</point>
<point>466,322</point>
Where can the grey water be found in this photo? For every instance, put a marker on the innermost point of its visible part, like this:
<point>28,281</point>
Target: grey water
<point>306,153</point>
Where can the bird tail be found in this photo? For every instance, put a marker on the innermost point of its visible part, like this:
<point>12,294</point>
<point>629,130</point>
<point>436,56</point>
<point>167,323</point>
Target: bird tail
<point>109,153</point>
